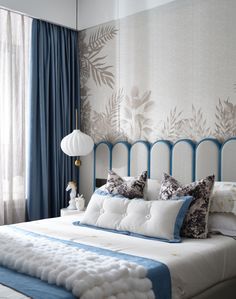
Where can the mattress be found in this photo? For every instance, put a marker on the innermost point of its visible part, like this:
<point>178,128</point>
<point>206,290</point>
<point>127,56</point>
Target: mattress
<point>195,265</point>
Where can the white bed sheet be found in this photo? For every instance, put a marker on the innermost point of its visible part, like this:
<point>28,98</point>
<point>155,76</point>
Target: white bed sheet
<point>8,293</point>
<point>194,265</point>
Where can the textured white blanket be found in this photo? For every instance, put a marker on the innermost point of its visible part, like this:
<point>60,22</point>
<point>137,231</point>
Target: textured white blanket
<point>86,274</point>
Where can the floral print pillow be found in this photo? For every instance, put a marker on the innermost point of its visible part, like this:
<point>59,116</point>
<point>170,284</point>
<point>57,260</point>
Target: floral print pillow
<point>195,222</point>
<point>113,181</point>
<point>133,188</point>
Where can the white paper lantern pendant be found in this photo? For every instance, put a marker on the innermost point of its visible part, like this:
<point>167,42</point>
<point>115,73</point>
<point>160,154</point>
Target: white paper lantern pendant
<point>77,144</point>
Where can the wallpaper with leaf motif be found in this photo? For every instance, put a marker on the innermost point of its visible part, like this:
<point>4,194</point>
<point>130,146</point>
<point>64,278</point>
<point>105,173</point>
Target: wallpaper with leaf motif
<point>165,73</point>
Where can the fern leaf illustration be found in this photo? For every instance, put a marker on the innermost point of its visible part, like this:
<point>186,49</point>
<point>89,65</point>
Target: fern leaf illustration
<point>106,124</point>
<point>195,127</point>
<point>172,125</point>
<point>92,64</point>
<point>85,115</point>
<point>100,73</point>
<point>101,36</point>
<point>225,120</point>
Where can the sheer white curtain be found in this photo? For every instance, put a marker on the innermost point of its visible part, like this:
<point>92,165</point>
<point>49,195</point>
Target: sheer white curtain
<point>14,73</point>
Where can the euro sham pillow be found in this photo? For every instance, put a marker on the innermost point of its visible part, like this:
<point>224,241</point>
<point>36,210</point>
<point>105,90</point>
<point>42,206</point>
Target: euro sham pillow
<point>157,219</point>
<point>195,222</point>
<point>223,198</point>
<point>133,188</point>
<point>224,223</point>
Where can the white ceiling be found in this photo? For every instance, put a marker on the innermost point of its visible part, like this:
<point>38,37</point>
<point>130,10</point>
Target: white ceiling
<point>61,12</point>
<point>90,12</point>
<point>94,12</point>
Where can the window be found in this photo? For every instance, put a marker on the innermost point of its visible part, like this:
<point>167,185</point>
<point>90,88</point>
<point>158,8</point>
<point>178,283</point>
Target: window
<point>14,76</point>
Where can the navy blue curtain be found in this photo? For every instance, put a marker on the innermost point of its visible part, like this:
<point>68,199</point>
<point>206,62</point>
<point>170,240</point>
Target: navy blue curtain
<point>53,99</point>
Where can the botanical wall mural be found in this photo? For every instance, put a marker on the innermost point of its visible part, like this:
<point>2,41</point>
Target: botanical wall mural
<point>225,119</point>
<point>149,76</point>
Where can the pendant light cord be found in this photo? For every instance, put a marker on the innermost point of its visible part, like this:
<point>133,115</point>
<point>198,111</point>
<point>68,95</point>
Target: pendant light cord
<point>76,119</point>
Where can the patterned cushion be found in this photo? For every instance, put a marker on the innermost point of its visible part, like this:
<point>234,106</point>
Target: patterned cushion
<point>131,188</point>
<point>195,222</point>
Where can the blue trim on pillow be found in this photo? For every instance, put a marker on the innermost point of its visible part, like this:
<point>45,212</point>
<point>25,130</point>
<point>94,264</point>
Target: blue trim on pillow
<point>158,272</point>
<point>182,212</point>
<point>106,193</point>
<point>128,233</point>
<point>178,222</point>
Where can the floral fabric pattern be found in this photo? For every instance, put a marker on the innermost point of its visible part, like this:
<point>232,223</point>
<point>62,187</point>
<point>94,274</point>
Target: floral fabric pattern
<point>195,222</point>
<point>113,181</point>
<point>168,186</point>
<point>128,188</point>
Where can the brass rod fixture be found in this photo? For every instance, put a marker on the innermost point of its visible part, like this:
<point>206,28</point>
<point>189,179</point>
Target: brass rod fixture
<point>77,161</point>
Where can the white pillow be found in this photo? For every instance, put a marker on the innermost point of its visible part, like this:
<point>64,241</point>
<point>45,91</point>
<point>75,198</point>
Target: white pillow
<point>223,199</point>
<point>158,219</point>
<point>224,223</point>
<point>152,190</point>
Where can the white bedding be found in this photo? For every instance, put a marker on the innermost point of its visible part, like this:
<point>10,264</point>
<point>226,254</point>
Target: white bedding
<point>8,293</point>
<point>194,265</point>
<point>84,273</point>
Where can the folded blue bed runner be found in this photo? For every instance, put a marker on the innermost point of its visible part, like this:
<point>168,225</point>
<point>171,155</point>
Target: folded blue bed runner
<point>33,287</point>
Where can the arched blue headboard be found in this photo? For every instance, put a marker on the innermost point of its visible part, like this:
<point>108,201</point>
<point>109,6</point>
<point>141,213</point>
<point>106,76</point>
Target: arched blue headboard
<point>185,159</point>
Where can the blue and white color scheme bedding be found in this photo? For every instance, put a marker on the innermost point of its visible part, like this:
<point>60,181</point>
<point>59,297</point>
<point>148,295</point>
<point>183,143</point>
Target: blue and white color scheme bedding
<point>86,271</point>
<point>29,287</point>
<point>158,219</point>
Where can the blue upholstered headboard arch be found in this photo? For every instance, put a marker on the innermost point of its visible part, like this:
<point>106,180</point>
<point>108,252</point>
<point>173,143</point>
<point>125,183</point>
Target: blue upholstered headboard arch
<point>185,159</point>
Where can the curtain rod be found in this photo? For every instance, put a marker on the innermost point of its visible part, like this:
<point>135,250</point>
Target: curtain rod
<point>54,23</point>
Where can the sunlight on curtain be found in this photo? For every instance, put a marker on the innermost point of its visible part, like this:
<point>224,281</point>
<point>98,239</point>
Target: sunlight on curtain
<point>14,68</point>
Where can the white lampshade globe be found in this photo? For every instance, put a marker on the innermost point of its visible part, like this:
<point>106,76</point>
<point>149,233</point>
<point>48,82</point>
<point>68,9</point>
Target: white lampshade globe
<point>77,144</point>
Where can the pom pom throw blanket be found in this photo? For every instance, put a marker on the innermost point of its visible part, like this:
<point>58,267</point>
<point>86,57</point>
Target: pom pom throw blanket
<point>86,271</point>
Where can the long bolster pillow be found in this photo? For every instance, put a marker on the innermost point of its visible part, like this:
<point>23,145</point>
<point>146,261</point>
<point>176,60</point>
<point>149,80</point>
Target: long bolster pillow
<point>156,219</point>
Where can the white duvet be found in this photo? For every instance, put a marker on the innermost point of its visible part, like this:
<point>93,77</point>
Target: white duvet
<point>8,293</point>
<point>194,265</point>
<point>86,274</point>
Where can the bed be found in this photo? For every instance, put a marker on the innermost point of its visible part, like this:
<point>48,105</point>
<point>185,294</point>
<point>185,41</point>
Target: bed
<point>194,268</point>
<point>199,268</point>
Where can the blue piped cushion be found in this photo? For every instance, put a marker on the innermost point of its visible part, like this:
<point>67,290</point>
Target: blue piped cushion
<point>155,219</point>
